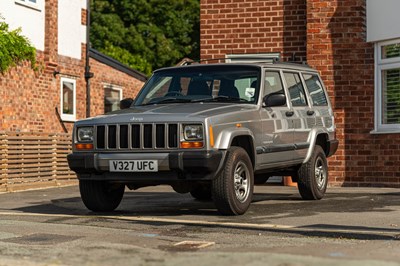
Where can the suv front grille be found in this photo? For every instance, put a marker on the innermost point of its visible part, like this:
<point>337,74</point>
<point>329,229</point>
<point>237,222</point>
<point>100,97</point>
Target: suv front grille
<point>137,136</point>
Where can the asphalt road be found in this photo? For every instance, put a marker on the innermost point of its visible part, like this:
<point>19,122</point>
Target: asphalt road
<point>156,226</point>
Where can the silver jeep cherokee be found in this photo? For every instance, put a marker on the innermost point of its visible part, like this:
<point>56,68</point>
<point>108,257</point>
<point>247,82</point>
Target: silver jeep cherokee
<point>211,130</point>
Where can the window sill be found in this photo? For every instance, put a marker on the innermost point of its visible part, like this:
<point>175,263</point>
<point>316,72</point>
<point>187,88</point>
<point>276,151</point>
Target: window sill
<point>68,119</point>
<point>384,131</point>
<point>29,5</point>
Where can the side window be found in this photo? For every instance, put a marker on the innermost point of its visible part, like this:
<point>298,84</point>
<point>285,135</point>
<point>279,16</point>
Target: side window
<point>315,90</point>
<point>296,90</point>
<point>273,83</point>
<point>68,98</point>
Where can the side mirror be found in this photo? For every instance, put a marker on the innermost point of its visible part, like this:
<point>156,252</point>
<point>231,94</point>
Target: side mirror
<point>274,100</point>
<point>125,103</point>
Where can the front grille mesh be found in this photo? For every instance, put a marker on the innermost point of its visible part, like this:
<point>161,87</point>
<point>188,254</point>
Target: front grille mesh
<point>137,136</point>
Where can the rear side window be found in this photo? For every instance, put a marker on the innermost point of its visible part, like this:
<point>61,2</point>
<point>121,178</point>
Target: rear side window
<point>296,90</point>
<point>315,90</point>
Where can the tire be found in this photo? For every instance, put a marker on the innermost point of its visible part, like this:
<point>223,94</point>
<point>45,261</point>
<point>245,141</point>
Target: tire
<point>202,193</point>
<point>231,199</point>
<point>313,176</point>
<point>101,196</point>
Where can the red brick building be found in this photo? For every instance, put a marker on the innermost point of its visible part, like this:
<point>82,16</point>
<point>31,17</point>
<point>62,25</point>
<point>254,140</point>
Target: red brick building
<point>35,101</point>
<point>38,108</point>
<point>355,44</point>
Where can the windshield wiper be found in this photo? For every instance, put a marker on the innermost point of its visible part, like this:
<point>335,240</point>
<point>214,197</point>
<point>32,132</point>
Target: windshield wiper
<point>222,98</point>
<point>169,100</point>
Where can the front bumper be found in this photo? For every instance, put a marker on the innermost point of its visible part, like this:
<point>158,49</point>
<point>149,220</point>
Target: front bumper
<point>179,165</point>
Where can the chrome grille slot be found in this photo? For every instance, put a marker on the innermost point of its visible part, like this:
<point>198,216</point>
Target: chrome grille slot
<point>173,135</point>
<point>101,137</point>
<point>160,136</point>
<point>112,137</point>
<point>147,136</point>
<point>137,136</point>
<point>123,136</point>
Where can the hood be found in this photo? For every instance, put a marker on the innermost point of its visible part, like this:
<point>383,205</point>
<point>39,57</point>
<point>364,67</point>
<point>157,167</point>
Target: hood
<point>170,112</point>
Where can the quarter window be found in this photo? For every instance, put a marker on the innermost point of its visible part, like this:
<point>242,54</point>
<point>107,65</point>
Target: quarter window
<point>315,90</point>
<point>68,99</point>
<point>295,88</point>
<point>387,87</point>
<point>112,97</point>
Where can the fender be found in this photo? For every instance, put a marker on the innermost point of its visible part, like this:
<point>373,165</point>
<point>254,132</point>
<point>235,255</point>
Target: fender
<point>312,139</point>
<point>225,137</point>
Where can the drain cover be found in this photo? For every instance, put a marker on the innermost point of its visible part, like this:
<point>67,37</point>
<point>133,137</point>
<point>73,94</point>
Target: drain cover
<point>41,239</point>
<point>194,244</point>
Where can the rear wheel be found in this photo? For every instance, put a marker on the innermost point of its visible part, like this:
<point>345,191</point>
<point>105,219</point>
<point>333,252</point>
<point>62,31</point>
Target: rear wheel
<point>313,176</point>
<point>232,190</point>
<point>101,196</point>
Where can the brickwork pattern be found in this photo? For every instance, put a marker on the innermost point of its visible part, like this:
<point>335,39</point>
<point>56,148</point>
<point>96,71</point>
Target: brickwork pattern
<point>337,47</point>
<point>106,76</point>
<point>332,37</point>
<point>254,26</point>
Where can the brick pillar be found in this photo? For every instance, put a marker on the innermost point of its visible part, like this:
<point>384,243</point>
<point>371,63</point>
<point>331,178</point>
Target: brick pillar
<point>336,46</point>
<point>51,34</point>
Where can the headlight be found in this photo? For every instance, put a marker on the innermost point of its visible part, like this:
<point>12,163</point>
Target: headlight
<point>193,132</point>
<point>85,134</point>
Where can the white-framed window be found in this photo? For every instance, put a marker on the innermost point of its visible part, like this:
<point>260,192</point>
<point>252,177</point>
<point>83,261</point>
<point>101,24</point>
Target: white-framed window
<point>34,4</point>
<point>387,87</point>
<point>68,99</point>
<point>112,97</point>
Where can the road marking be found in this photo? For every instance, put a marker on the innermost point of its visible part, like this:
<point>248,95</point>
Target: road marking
<point>308,228</point>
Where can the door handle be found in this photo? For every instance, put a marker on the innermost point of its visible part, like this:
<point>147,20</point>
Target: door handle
<point>310,112</point>
<point>289,113</point>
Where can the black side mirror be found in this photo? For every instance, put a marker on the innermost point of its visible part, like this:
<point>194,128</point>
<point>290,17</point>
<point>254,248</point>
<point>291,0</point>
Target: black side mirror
<point>125,103</point>
<point>274,99</point>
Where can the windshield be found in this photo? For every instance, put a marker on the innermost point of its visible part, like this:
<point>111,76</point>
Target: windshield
<point>236,84</point>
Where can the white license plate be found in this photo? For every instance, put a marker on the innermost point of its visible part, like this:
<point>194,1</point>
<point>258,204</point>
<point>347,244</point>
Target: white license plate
<point>133,165</point>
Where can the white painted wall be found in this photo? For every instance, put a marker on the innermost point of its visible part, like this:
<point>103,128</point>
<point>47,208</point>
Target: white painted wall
<point>29,17</point>
<point>383,20</point>
<point>71,34</point>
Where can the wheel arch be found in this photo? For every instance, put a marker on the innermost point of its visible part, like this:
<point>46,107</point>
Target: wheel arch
<point>317,137</point>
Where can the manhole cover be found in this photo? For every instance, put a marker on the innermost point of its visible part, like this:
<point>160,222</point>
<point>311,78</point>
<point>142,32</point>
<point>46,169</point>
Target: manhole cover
<point>41,239</point>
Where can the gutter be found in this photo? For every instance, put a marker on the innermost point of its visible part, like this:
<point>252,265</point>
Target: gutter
<point>88,74</point>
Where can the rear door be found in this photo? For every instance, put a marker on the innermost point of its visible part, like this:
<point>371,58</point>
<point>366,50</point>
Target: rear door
<point>301,115</point>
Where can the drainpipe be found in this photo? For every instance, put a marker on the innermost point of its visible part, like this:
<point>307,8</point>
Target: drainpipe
<point>88,74</point>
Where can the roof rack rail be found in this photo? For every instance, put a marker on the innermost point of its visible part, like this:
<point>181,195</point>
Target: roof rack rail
<point>272,59</point>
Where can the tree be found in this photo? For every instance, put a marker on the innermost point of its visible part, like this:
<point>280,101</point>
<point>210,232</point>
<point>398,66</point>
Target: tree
<point>14,48</point>
<point>146,34</point>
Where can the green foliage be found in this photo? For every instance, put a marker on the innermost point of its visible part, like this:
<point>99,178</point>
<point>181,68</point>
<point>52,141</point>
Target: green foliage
<point>156,33</point>
<point>14,48</point>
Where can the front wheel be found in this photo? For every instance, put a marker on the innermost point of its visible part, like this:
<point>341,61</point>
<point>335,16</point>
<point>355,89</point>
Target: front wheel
<point>313,176</point>
<point>101,196</point>
<point>232,190</point>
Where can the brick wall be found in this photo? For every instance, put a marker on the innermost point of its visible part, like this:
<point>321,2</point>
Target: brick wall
<point>28,99</point>
<point>104,76</point>
<point>332,37</point>
<point>254,26</point>
<point>336,46</point>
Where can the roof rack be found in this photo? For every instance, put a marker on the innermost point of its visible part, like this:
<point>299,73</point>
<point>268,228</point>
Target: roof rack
<point>269,60</point>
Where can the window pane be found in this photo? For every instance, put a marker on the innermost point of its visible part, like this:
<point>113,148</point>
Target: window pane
<point>112,98</point>
<point>390,51</point>
<point>391,96</point>
<point>68,98</point>
<point>296,90</point>
<point>315,90</point>
<point>273,83</point>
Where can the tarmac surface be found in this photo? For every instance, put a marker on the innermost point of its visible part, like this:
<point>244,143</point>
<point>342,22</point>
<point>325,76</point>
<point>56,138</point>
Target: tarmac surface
<point>156,226</point>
